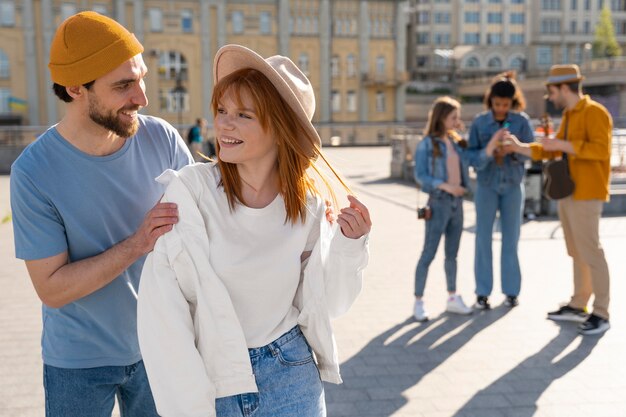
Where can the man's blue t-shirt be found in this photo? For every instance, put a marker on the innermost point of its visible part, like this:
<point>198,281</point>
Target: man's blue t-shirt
<point>63,199</point>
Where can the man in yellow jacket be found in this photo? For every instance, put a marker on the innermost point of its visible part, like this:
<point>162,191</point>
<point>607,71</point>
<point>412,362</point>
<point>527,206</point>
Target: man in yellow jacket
<point>584,138</point>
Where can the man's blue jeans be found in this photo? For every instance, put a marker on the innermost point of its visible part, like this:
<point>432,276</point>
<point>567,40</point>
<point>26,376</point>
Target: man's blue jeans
<point>91,392</point>
<point>447,220</point>
<point>509,201</point>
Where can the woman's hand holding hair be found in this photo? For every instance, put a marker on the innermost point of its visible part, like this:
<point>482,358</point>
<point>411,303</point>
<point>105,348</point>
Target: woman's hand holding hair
<point>354,220</point>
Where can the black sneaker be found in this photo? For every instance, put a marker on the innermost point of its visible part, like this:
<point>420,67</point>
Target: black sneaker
<point>482,303</point>
<point>511,301</point>
<point>567,313</point>
<point>594,325</point>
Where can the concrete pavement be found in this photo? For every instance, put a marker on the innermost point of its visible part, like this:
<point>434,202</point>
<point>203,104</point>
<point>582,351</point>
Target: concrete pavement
<point>497,363</point>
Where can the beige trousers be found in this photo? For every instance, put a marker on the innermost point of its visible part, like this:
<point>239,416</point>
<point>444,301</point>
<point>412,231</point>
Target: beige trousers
<point>580,220</point>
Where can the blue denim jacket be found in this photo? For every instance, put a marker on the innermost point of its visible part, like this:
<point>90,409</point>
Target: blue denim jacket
<point>424,175</point>
<point>489,173</point>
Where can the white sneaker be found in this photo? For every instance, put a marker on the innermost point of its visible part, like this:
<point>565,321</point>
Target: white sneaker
<point>456,305</point>
<point>419,312</point>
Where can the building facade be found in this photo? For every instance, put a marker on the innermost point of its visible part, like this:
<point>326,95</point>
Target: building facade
<point>353,51</point>
<point>463,39</point>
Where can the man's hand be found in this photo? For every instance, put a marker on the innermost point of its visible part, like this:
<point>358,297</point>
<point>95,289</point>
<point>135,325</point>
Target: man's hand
<point>354,220</point>
<point>158,221</point>
<point>557,145</point>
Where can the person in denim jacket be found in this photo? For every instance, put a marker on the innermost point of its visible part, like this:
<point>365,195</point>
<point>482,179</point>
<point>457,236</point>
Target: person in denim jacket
<point>441,174</point>
<point>499,185</point>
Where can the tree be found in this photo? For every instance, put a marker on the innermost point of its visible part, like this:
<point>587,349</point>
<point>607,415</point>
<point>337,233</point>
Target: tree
<point>604,44</point>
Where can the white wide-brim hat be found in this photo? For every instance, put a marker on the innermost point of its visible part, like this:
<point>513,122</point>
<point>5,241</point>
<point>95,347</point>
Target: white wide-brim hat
<point>292,85</point>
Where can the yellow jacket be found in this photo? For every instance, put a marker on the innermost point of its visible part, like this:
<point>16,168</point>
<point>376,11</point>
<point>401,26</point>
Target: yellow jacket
<point>589,131</point>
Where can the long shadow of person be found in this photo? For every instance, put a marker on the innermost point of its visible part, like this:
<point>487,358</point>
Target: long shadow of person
<point>518,390</point>
<point>397,359</point>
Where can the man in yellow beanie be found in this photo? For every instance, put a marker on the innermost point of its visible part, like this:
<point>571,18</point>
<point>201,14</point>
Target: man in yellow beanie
<point>584,139</point>
<point>86,211</point>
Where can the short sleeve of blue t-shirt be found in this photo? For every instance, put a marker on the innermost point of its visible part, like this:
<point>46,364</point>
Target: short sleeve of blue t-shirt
<point>64,200</point>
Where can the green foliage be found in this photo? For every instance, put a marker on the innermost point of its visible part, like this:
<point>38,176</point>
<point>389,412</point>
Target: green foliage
<point>605,44</point>
<point>6,219</point>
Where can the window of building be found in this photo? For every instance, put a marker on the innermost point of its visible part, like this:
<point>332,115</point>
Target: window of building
<point>494,17</point>
<point>494,39</point>
<point>551,26</point>
<point>380,65</point>
<point>618,5</point>
<point>5,93</point>
<point>472,17</point>
<point>587,27</point>
<point>380,101</point>
<point>351,65</point>
<point>423,18</point>
<point>303,63</point>
<point>573,4</point>
<point>518,18</point>
<point>551,4</point>
<point>600,4</point>
<point>516,39</point>
<point>620,27</point>
<point>565,55</point>
<point>442,17</point>
<point>517,63</point>
<point>67,10</point>
<point>423,38</point>
<point>186,21</point>
<point>517,1</point>
<point>335,101</point>
<point>237,21</point>
<point>578,54</point>
<point>544,56</point>
<point>351,101</point>
<point>5,67</point>
<point>265,23</point>
<point>156,19</point>
<point>587,4</point>
<point>494,63</point>
<point>572,26</point>
<point>334,66</point>
<point>472,62</point>
<point>7,13</point>
<point>472,1</point>
<point>472,38</point>
<point>172,66</point>
<point>100,8</point>
<point>441,38</point>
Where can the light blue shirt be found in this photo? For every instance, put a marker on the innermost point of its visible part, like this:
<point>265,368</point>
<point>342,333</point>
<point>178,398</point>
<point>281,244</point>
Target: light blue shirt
<point>63,199</point>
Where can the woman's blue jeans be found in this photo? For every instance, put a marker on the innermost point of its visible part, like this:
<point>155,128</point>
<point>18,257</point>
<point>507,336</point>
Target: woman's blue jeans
<point>288,381</point>
<point>509,202</point>
<point>447,220</point>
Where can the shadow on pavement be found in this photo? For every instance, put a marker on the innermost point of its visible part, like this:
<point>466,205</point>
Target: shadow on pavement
<point>397,359</point>
<point>525,383</point>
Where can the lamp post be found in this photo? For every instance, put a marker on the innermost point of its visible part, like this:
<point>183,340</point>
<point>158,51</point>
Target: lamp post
<point>448,56</point>
<point>179,96</point>
<point>588,46</point>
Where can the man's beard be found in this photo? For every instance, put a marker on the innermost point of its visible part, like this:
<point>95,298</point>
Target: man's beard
<point>110,120</point>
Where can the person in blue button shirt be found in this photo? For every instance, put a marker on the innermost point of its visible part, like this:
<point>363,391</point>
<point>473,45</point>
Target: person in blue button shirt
<point>500,187</point>
<point>86,211</point>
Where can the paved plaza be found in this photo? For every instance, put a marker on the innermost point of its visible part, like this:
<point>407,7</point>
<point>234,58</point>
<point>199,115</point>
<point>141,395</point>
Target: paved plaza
<point>500,363</point>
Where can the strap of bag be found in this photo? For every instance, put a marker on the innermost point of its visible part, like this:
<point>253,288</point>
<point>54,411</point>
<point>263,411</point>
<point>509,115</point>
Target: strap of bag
<point>564,154</point>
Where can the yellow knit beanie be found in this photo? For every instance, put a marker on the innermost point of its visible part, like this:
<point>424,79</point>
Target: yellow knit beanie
<point>87,46</point>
